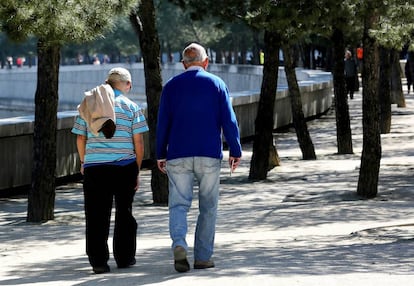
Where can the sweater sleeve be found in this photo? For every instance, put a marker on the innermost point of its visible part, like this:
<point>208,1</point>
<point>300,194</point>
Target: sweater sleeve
<point>162,128</point>
<point>230,125</point>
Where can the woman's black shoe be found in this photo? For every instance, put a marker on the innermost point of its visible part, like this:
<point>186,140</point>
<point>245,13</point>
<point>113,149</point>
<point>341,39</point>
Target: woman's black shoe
<point>126,265</point>
<point>101,269</point>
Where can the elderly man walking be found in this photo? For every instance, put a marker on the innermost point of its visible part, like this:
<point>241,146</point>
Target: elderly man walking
<point>194,111</point>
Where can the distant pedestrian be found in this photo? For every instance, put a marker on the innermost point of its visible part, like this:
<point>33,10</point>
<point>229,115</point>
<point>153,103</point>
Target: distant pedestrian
<point>261,57</point>
<point>111,147</point>
<point>9,62</point>
<point>360,57</point>
<point>195,109</point>
<point>351,75</point>
<point>96,61</point>
<point>19,62</point>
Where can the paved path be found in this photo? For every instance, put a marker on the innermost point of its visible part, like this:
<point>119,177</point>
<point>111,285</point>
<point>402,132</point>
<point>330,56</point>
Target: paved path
<point>304,225</point>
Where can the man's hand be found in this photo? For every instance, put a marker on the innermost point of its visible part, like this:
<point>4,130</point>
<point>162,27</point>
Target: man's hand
<point>234,163</point>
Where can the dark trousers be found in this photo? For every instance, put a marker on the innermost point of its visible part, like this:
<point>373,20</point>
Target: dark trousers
<point>101,185</point>
<point>350,85</point>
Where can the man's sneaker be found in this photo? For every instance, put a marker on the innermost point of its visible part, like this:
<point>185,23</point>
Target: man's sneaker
<point>203,264</point>
<point>180,259</point>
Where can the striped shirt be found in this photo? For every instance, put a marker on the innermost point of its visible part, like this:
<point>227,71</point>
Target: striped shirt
<point>118,150</point>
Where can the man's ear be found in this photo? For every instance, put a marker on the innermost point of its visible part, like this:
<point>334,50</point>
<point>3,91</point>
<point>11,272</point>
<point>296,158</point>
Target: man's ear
<point>205,63</point>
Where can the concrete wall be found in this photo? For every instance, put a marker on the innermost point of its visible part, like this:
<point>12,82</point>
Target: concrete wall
<point>19,84</point>
<point>16,134</point>
<point>16,149</point>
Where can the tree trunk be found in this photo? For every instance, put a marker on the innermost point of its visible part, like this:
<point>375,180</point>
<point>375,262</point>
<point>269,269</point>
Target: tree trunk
<point>299,122</point>
<point>144,26</point>
<point>410,61</point>
<point>259,164</point>
<point>343,125</point>
<point>307,59</point>
<point>385,91</point>
<point>41,199</point>
<point>256,46</point>
<point>397,95</point>
<point>371,149</point>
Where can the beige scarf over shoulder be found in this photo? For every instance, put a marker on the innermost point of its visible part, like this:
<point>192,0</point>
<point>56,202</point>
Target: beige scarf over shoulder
<point>97,107</point>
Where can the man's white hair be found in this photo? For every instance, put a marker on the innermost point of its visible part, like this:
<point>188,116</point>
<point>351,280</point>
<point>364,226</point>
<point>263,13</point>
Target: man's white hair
<point>194,53</point>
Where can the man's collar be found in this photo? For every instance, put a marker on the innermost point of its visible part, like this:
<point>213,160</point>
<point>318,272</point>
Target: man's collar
<point>194,68</point>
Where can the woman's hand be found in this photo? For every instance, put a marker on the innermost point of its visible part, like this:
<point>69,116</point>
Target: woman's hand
<point>137,185</point>
<point>162,164</point>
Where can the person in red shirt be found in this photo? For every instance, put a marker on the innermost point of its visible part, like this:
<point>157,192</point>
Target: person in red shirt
<point>360,57</point>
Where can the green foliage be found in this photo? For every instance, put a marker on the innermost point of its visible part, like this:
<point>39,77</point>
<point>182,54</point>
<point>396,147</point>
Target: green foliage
<point>396,26</point>
<point>121,39</point>
<point>11,48</point>
<point>291,19</point>
<point>176,27</point>
<point>229,9</point>
<point>60,21</point>
<point>222,25</point>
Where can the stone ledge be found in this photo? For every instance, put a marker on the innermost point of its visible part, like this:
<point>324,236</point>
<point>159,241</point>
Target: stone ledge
<point>16,134</point>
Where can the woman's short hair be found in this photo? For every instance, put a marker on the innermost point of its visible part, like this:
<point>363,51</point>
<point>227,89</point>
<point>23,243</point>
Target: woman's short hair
<point>118,74</point>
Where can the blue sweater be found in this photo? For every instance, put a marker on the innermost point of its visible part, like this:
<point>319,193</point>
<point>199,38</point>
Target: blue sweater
<point>194,110</point>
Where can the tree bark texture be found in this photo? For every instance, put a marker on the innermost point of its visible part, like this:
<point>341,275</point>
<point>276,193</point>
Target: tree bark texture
<point>371,149</point>
<point>263,138</point>
<point>385,90</point>
<point>144,25</point>
<point>41,199</point>
<point>343,124</point>
<point>298,118</point>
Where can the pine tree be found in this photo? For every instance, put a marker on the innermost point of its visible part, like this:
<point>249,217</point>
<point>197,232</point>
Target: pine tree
<point>53,23</point>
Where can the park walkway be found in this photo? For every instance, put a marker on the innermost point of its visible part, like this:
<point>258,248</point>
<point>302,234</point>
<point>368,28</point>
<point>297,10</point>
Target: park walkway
<point>304,225</point>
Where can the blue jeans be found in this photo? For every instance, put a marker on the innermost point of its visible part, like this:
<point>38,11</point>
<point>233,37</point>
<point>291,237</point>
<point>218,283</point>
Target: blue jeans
<point>181,174</point>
